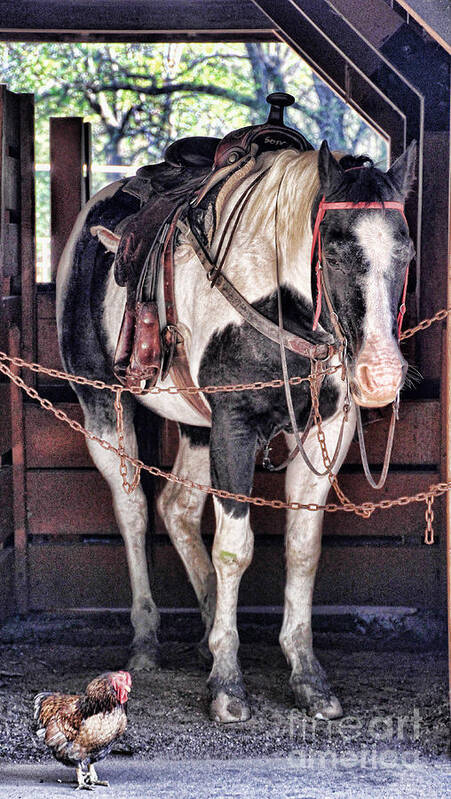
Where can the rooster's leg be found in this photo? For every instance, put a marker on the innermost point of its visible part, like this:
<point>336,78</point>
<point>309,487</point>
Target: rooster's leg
<point>93,779</point>
<point>81,780</point>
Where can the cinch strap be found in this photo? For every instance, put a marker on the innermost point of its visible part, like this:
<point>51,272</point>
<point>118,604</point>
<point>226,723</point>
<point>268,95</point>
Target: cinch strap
<point>339,206</point>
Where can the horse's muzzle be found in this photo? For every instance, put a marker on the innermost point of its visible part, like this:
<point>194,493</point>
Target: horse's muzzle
<point>378,375</point>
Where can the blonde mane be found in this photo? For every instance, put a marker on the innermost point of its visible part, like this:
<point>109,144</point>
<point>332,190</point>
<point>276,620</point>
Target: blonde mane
<point>293,182</point>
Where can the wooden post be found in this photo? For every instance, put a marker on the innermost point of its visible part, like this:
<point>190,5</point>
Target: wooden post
<point>446,403</point>
<point>69,178</point>
<point>18,457</point>
<point>27,231</point>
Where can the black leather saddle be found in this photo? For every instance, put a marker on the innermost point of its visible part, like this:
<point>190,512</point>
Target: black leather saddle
<point>188,162</point>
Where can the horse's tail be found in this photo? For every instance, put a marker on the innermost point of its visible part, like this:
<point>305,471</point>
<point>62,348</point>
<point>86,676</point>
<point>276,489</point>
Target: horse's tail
<point>148,426</point>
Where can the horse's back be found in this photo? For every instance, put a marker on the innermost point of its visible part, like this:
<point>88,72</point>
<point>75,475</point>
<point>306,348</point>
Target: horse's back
<point>82,284</point>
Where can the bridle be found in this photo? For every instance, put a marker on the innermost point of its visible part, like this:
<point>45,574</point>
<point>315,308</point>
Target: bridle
<point>321,289</point>
<point>297,344</point>
<point>316,244</point>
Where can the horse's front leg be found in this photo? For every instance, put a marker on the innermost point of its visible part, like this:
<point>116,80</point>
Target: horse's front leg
<point>303,549</point>
<point>232,451</point>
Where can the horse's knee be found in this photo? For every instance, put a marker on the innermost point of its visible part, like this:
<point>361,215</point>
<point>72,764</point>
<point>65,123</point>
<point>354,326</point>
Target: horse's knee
<point>180,512</point>
<point>233,546</point>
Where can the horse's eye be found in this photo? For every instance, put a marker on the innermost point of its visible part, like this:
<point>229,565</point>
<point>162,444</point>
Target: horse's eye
<point>331,261</point>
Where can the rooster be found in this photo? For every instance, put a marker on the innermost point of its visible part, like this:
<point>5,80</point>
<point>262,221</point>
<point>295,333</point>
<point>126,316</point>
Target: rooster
<point>80,730</point>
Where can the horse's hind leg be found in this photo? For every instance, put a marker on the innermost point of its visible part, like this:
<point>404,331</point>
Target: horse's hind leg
<point>181,510</point>
<point>131,515</point>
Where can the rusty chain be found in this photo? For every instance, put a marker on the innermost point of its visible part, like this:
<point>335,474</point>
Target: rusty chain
<point>364,509</point>
<point>429,516</point>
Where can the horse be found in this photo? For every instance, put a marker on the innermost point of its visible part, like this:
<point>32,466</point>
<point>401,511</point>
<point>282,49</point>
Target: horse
<point>365,252</point>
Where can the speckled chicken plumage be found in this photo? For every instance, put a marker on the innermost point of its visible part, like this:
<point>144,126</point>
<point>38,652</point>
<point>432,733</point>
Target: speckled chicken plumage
<point>80,729</point>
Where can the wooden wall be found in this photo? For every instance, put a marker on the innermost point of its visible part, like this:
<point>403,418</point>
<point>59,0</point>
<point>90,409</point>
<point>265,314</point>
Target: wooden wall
<point>70,520</point>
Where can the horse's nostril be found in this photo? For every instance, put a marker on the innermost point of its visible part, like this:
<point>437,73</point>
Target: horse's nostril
<point>364,377</point>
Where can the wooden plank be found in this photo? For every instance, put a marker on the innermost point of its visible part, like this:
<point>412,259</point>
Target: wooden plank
<point>82,575</point>
<point>66,180</point>
<point>46,303</point>
<point>48,351</point>
<point>69,502</point>
<point>406,521</point>
<point>6,503</point>
<point>132,16</point>
<point>5,418</point>
<point>435,18</point>
<point>417,437</point>
<point>7,594</point>
<point>433,278</point>
<point>17,439</point>
<point>78,575</point>
<point>51,443</point>
<point>27,230</point>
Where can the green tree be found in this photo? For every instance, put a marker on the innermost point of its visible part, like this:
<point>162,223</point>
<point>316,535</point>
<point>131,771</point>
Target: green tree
<point>140,97</point>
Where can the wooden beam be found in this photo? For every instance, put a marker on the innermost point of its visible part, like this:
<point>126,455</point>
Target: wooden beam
<point>27,230</point>
<point>20,527</point>
<point>347,575</point>
<point>69,158</point>
<point>435,18</point>
<point>446,437</point>
<point>156,20</point>
<point>315,30</point>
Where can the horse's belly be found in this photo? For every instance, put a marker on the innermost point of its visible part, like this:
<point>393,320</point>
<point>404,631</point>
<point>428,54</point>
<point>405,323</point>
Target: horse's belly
<point>173,406</point>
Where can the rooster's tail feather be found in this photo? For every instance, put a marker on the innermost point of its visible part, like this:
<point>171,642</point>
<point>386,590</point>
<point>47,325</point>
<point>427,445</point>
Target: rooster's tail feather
<point>38,728</point>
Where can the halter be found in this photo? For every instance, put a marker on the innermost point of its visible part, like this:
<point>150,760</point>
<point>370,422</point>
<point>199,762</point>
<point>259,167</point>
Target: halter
<point>338,206</point>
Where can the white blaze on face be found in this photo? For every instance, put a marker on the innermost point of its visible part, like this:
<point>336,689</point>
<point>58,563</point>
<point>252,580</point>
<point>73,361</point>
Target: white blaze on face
<point>378,370</point>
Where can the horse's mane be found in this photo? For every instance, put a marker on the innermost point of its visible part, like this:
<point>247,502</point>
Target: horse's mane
<point>292,181</point>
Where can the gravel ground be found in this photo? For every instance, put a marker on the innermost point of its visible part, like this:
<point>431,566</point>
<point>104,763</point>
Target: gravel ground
<point>392,700</point>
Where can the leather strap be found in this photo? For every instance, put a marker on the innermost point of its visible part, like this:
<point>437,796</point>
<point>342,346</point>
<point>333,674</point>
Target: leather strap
<point>291,341</point>
<point>388,450</point>
<point>178,365</point>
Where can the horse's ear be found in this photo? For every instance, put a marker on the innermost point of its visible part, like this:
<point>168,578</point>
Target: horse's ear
<point>402,172</point>
<point>329,170</point>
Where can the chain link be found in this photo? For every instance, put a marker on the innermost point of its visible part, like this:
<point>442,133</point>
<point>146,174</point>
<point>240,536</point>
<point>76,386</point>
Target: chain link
<point>363,509</point>
<point>429,515</point>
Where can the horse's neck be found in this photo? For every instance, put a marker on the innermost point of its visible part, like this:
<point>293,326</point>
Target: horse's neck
<point>256,246</point>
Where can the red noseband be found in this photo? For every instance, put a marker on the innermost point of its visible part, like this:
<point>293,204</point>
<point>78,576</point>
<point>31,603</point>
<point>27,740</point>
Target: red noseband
<point>338,206</point>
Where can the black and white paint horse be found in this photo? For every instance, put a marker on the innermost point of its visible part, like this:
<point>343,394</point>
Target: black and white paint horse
<point>365,255</point>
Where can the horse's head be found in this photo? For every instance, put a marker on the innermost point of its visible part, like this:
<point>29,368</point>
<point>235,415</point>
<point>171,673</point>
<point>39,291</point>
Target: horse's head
<point>365,254</point>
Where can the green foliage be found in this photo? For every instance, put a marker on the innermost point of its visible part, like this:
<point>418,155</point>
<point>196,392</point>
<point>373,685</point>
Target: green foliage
<point>140,97</point>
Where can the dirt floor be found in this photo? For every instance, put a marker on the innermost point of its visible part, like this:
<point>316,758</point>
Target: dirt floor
<point>392,700</point>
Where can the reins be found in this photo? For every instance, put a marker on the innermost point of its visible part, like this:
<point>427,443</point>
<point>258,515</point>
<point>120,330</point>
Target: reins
<point>315,385</point>
<point>297,344</point>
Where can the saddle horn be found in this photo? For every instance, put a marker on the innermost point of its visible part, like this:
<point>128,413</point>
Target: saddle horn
<point>278,102</point>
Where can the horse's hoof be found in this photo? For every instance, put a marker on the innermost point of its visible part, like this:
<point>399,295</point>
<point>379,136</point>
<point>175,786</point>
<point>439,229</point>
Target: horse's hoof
<point>228,709</point>
<point>144,660</point>
<point>327,710</point>
<point>317,704</point>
